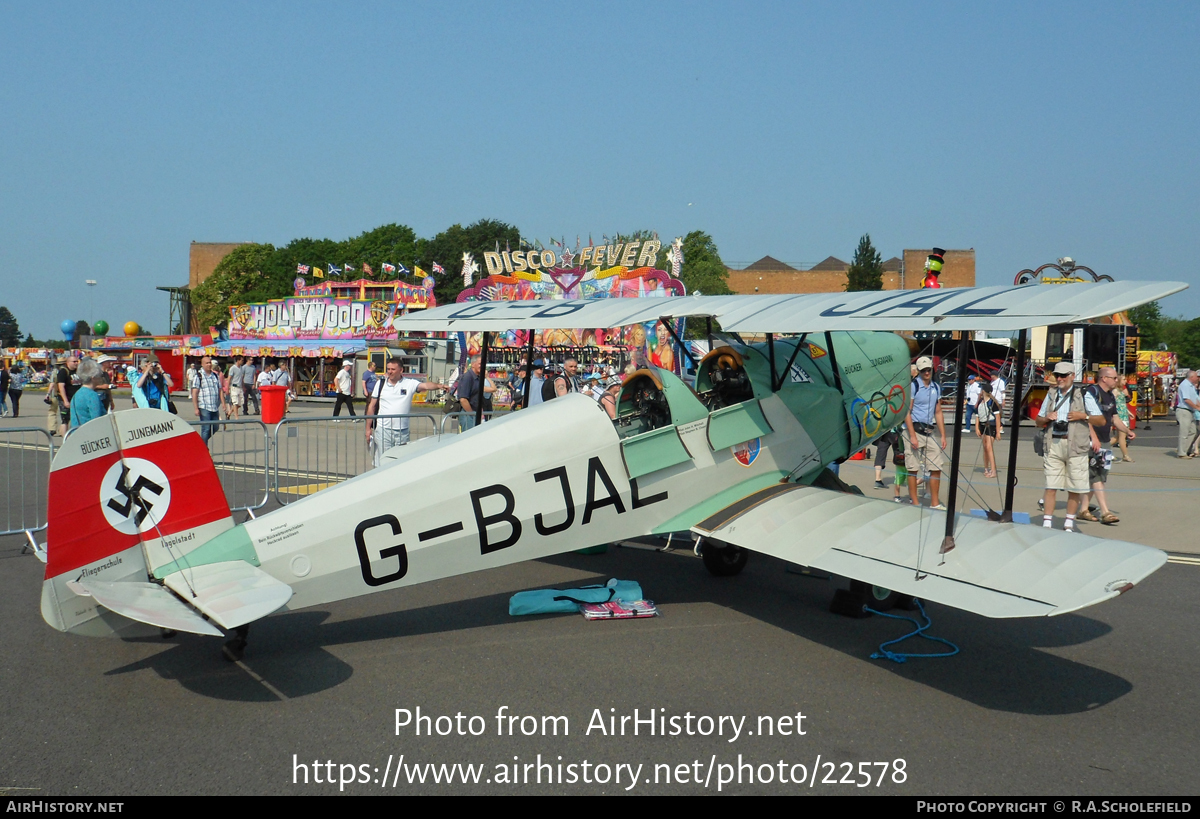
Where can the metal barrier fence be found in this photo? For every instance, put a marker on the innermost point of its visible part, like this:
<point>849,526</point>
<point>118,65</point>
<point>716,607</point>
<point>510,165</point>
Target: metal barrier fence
<point>452,421</point>
<point>314,453</point>
<point>25,457</point>
<point>241,454</point>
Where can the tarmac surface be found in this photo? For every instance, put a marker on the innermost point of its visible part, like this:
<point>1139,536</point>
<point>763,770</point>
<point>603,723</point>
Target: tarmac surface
<point>1100,702</point>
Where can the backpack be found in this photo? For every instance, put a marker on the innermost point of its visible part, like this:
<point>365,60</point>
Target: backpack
<point>548,390</point>
<point>916,385</point>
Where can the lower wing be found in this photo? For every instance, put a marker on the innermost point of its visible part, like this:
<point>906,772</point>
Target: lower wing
<point>996,569</point>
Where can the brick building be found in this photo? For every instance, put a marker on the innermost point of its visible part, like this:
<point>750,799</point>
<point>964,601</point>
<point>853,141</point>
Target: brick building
<point>769,275</point>
<point>203,258</point>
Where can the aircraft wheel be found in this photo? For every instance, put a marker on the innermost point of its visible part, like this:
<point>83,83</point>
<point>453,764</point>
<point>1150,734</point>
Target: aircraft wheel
<point>233,650</point>
<point>235,646</point>
<point>723,561</point>
<point>877,597</point>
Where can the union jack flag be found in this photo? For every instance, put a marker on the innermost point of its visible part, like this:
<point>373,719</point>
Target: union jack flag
<point>302,269</point>
<point>438,269</point>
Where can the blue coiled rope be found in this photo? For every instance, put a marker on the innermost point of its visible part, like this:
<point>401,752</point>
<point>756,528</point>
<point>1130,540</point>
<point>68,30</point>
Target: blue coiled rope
<point>897,657</point>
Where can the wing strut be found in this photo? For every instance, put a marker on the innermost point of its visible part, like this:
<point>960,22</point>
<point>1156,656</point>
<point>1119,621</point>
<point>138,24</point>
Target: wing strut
<point>666,322</point>
<point>1018,393</point>
<point>777,382</point>
<point>528,369</point>
<point>837,374</point>
<point>964,348</point>
<point>483,354</point>
<point>771,349</point>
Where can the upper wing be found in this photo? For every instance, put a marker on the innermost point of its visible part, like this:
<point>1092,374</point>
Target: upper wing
<point>996,569</point>
<point>970,308</point>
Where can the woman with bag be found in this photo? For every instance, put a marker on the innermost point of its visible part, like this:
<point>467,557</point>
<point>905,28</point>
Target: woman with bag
<point>987,427</point>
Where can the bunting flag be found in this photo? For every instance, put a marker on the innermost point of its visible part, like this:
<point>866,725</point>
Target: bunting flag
<point>388,268</point>
<point>438,269</point>
<point>302,269</point>
<point>367,271</point>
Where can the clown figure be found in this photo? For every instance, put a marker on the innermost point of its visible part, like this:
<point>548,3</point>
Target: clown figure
<point>933,268</point>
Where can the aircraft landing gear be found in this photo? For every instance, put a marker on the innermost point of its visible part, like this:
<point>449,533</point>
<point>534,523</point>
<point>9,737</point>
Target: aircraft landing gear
<point>235,646</point>
<point>853,602</point>
<point>723,560</point>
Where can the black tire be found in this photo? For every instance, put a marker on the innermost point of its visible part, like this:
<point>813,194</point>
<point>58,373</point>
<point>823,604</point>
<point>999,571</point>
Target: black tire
<point>233,650</point>
<point>877,597</point>
<point>723,561</point>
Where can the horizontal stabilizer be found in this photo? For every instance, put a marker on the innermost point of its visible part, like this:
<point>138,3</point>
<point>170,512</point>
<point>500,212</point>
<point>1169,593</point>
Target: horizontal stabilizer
<point>232,593</point>
<point>148,603</point>
<point>996,569</point>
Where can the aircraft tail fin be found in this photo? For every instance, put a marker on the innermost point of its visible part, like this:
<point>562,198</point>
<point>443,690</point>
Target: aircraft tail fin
<point>129,492</point>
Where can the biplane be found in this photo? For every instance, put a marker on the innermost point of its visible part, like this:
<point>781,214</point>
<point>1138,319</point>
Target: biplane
<point>140,535</point>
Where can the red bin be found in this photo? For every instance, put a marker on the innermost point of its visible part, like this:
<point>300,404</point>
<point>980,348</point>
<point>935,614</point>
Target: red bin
<point>274,402</point>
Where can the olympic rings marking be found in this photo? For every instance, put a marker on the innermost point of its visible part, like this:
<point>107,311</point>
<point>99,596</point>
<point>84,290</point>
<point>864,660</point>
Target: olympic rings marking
<point>868,411</point>
<point>864,423</point>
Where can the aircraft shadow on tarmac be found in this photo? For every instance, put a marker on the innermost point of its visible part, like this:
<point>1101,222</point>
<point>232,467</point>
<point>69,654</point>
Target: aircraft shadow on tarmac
<point>1000,666</point>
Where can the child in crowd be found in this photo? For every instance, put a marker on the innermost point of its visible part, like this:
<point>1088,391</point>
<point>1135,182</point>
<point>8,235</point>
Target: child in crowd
<point>901,473</point>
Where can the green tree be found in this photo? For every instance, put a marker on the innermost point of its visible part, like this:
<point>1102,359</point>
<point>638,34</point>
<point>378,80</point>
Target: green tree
<point>10,333</point>
<point>866,271</point>
<point>1148,318</point>
<point>703,269</point>
<point>237,279</point>
<point>447,249</point>
<point>1182,337</point>
<point>82,328</point>
<point>29,341</point>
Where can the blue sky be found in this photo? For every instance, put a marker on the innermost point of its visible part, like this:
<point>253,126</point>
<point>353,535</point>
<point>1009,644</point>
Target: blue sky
<point>1027,131</point>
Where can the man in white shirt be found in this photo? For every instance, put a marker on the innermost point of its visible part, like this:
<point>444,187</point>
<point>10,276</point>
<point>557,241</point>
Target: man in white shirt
<point>1187,412</point>
<point>999,385</point>
<point>973,390</point>
<point>345,388</point>
<point>393,395</point>
<point>266,377</point>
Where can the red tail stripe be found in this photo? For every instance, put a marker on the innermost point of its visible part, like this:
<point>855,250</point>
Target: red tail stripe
<point>78,533</point>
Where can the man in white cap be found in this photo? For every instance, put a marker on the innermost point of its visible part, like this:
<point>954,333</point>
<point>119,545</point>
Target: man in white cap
<point>344,381</point>
<point>1066,416</point>
<point>924,415</point>
<point>106,362</point>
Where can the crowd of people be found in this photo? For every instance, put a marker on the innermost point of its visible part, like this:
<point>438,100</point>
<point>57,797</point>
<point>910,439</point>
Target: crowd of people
<point>218,392</point>
<point>1080,428</point>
